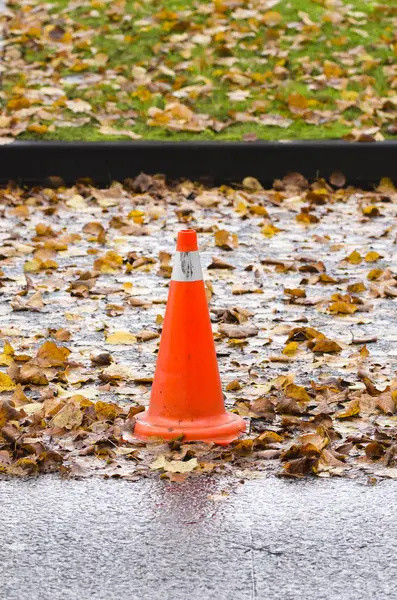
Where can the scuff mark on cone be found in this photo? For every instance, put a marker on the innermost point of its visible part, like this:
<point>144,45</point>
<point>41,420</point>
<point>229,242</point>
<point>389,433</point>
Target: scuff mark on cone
<point>187,267</point>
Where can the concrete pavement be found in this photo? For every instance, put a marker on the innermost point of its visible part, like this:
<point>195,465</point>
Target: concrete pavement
<point>201,540</point>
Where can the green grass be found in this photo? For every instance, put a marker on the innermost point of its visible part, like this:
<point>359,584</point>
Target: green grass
<point>234,133</point>
<point>289,52</point>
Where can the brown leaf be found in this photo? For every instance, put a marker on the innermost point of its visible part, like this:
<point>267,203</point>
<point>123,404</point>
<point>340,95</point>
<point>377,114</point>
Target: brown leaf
<point>218,263</point>
<point>337,179</point>
<point>300,467</point>
<point>374,450</point>
<point>233,386</point>
<point>146,335</point>
<point>9,413</point>
<point>62,335</point>
<point>288,406</point>
<point>329,463</point>
<point>18,397</point>
<point>385,402</point>
<point>263,407</point>
<point>102,360</point>
<point>226,240</point>
<point>324,345</point>
<point>51,355</point>
<point>35,303</point>
<point>371,389</point>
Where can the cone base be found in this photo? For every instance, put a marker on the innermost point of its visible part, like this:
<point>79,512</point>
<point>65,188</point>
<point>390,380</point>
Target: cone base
<point>220,430</point>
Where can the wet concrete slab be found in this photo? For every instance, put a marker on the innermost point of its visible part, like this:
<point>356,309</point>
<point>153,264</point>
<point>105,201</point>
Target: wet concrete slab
<point>203,539</point>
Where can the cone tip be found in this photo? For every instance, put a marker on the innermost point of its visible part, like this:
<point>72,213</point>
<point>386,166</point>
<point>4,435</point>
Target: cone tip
<point>187,241</point>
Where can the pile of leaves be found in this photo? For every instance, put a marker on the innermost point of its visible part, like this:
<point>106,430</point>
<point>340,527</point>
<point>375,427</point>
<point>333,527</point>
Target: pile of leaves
<point>177,69</point>
<point>301,281</point>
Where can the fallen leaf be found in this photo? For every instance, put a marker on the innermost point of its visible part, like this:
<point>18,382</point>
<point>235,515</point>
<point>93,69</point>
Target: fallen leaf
<point>51,355</point>
<point>174,466</point>
<point>6,383</point>
<point>121,337</point>
<point>352,409</point>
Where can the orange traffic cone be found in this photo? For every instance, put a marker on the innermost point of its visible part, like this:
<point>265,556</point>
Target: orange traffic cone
<point>187,395</point>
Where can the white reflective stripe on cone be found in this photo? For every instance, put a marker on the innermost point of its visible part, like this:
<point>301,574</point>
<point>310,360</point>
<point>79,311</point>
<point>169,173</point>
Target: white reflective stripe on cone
<point>187,267</point>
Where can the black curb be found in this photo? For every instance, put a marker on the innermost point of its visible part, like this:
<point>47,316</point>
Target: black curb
<point>213,162</point>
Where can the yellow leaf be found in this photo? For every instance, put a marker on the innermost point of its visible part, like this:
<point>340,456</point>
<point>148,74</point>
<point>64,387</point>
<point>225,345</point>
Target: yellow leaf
<point>356,288</point>
<point>128,287</point>
<point>325,345</point>
<point>243,448</point>
<point>343,308</point>
<point>307,218</point>
<point>271,18</point>
<point>51,355</point>
<point>297,103</point>
<point>6,358</point>
<point>257,209</point>
<point>121,337</point>
<point>269,230</point>
<point>106,411</point>
<point>110,263</point>
<point>18,397</point>
<point>233,386</point>
<point>355,258</point>
<point>226,240</point>
<point>6,383</point>
<point>295,293</point>
<point>371,257</point>
<point>18,103</point>
<point>374,274</point>
<point>332,70</point>
<point>352,409</point>
<point>37,128</point>
<point>364,352</point>
<point>266,438</point>
<point>371,211</point>
<point>297,392</point>
<point>291,348</point>
<point>32,266</point>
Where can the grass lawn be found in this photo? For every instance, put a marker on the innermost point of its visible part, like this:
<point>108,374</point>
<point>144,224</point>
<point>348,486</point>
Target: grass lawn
<point>199,69</point>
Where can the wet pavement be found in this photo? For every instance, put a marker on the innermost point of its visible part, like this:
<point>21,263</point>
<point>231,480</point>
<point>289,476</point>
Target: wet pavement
<point>203,539</point>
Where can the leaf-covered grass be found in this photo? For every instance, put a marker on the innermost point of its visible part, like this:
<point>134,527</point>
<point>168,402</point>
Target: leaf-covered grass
<point>208,69</point>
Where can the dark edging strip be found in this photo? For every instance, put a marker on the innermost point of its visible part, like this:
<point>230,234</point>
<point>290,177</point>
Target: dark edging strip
<point>213,162</point>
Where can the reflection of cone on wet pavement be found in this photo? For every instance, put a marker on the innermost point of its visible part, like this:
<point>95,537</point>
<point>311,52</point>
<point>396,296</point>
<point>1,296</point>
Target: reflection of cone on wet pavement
<point>187,394</point>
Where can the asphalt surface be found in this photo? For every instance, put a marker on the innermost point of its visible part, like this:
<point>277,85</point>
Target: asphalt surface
<point>203,539</point>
